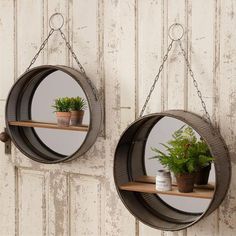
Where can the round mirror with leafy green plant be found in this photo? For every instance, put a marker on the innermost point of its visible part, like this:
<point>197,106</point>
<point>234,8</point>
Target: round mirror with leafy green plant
<point>185,156</point>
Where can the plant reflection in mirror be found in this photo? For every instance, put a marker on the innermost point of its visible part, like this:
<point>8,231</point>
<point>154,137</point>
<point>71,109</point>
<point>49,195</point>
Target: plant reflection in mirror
<point>184,153</point>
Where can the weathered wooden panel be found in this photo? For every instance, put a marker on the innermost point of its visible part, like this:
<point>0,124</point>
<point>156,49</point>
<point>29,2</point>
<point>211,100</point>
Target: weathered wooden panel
<point>200,56</point>
<point>57,52</point>
<point>118,221</point>
<point>202,60</point>
<point>32,203</point>
<point>85,205</point>
<point>59,197</point>
<point>6,47</point>
<point>29,32</point>
<point>120,43</point>
<point>85,30</point>
<point>227,107</point>
<point>175,75</point>
<point>150,51</point>
<point>7,186</point>
<point>126,62</point>
<point>145,230</point>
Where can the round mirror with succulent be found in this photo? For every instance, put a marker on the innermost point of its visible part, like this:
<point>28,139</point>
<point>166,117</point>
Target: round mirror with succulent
<point>78,106</point>
<point>62,108</point>
<point>187,157</point>
<point>70,110</point>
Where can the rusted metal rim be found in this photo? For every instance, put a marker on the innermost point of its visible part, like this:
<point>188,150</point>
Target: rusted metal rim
<point>129,164</point>
<point>18,107</point>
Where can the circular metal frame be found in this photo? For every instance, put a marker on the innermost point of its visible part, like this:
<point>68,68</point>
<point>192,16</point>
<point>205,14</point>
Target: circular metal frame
<point>171,30</point>
<point>51,19</point>
<point>129,164</point>
<point>18,108</point>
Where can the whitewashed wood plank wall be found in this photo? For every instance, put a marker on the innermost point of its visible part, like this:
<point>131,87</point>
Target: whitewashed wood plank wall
<point>121,44</point>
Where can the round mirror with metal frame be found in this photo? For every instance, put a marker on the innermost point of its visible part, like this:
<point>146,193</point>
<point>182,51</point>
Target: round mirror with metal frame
<point>21,114</point>
<point>137,190</point>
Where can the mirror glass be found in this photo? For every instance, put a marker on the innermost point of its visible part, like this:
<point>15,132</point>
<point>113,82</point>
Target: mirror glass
<point>58,85</point>
<point>160,136</point>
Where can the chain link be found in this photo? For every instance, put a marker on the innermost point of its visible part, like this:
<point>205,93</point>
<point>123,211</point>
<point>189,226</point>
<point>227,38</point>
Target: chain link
<point>42,46</point>
<point>157,77</point>
<point>40,49</point>
<point>77,61</point>
<point>72,52</point>
<point>195,83</point>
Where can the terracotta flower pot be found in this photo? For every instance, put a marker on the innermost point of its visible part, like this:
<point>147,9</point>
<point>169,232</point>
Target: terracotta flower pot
<point>185,182</point>
<point>63,119</point>
<point>77,117</point>
<point>202,175</point>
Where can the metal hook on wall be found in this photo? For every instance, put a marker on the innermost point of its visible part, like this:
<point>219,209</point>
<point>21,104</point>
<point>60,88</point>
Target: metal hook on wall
<point>176,32</point>
<point>56,17</point>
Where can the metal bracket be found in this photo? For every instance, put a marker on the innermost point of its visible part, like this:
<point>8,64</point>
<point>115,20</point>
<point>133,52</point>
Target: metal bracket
<point>5,138</point>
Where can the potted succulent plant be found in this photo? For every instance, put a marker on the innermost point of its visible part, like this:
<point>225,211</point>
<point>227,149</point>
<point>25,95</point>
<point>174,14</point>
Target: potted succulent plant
<point>62,109</point>
<point>77,107</point>
<point>183,157</point>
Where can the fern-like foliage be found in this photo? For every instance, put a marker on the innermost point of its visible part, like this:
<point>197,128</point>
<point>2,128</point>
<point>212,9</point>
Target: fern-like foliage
<point>184,153</point>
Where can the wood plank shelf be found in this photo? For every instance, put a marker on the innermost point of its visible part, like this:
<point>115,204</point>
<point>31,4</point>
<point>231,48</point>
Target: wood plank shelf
<point>146,184</point>
<point>152,180</point>
<point>36,124</point>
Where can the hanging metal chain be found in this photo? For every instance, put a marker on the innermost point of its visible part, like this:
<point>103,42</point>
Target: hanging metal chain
<point>53,29</point>
<point>156,78</point>
<point>77,61</point>
<point>40,49</point>
<point>195,83</point>
<point>177,39</point>
<point>72,52</point>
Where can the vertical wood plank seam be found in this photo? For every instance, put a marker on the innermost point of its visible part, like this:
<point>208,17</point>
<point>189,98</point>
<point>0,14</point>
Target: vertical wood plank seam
<point>137,93</point>
<point>47,29</point>
<point>188,46</point>
<point>216,81</point>
<point>44,61</point>
<point>16,201</point>
<point>100,59</point>
<point>99,208</point>
<point>44,206</point>
<point>165,35</point>
<point>43,32</point>
<point>70,30</point>
<point>164,89</point>
<point>162,55</point>
<point>67,27</point>
<point>68,181</point>
<point>15,77</point>
<point>15,42</point>
<point>216,65</point>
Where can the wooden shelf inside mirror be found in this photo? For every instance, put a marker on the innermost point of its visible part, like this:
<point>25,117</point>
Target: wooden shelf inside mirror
<point>146,184</point>
<point>36,124</point>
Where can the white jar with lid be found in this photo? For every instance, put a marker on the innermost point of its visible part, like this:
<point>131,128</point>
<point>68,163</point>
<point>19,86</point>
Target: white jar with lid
<point>163,180</point>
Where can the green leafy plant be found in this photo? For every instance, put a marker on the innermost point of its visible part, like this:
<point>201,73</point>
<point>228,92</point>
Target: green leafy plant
<point>184,153</point>
<point>62,104</point>
<point>78,104</point>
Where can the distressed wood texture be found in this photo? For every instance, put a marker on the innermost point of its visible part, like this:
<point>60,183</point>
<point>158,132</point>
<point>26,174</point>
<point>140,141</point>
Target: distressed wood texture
<point>121,44</point>
<point>85,206</point>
